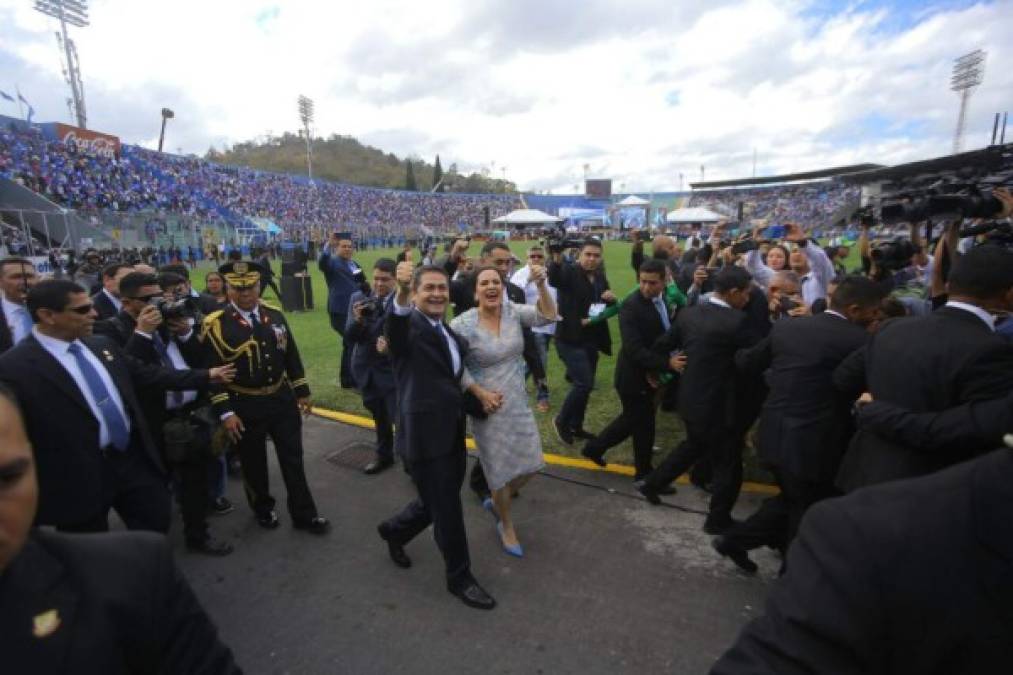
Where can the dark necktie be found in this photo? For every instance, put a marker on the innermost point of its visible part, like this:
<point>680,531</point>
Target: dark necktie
<point>119,435</point>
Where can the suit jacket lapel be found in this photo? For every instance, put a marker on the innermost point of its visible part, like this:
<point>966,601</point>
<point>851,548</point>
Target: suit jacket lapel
<point>51,369</point>
<point>437,335</point>
<point>40,606</point>
<point>462,347</point>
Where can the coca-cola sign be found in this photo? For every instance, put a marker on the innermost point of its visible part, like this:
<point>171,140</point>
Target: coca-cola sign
<point>88,141</point>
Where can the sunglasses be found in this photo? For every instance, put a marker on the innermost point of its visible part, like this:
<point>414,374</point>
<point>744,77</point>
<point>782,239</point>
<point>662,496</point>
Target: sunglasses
<point>537,256</point>
<point>145,298</point>
<point>82,309</point>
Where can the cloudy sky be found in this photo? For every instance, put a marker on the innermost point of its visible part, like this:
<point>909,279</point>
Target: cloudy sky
<point>639,90</point>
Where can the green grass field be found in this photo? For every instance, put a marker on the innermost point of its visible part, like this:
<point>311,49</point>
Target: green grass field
<point>320,348</point>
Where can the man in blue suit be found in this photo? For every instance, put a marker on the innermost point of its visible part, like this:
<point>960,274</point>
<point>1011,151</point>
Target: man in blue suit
<point>371,366</point>
<point>344,277</point>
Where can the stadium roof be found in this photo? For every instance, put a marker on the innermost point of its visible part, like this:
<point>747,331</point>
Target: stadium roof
<point>786,178</point>
<point>990,158</point>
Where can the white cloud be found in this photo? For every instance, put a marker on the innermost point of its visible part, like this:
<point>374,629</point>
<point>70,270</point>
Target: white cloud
<point>640,90</point>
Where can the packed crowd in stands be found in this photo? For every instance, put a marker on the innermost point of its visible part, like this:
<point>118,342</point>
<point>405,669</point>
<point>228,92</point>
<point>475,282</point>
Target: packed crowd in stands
<point>813,204</point>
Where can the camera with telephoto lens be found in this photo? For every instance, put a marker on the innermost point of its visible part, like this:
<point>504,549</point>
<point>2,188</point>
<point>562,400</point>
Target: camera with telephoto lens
<point>558,240</point>
<point>892,255</point>
<point>184,307</point>
<point>370,307</point>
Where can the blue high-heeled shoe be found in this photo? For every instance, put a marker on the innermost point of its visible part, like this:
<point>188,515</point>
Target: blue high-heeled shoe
<point>490,506</point>
<point>511,549</point>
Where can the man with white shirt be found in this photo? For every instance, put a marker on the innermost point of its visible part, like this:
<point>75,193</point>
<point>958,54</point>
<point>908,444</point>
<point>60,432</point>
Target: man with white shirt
<point>428,361</point>
<point>542,334</point>
<point>809,261</point>
<point>17,276</point>
<point>92,442</point>
<point>931,363</point>
<point>107,300</point>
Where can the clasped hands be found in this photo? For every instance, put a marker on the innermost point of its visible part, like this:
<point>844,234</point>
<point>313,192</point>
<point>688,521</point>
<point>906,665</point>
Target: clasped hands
<point>491,400</point>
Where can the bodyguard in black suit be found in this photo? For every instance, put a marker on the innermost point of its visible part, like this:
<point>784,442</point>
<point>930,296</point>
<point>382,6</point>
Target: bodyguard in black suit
<point>17,276</point>
<point>371,368</point>
<point>102,604</point>
<point>107,299</point>
<point>93,447</point>
<point>931,363</point>
<point>910,577</point>
<point>428,360</point>
<point>643,319</point>
<point>709,392</point>
<point>806,423</point>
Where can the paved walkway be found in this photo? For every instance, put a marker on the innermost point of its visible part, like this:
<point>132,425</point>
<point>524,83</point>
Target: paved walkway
<point>609,584</point>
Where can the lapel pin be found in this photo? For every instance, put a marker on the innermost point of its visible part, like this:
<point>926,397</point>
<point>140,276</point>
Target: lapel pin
<point>45,624</point>
<point>109,357</point>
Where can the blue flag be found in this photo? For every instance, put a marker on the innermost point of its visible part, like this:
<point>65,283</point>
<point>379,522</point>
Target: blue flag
<point>7,96</point>
<point>31,110</point>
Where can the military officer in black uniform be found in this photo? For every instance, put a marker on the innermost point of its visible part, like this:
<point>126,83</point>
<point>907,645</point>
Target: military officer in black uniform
<point>266,397</point>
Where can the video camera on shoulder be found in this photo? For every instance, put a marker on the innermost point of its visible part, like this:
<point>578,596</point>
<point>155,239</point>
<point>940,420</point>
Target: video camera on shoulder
<point>558,240</point>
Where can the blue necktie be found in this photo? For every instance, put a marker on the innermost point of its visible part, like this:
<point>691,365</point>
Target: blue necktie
<point>117,425</point>
<point>26,322</point>
<point>660,304</point>
<point>163,351</point>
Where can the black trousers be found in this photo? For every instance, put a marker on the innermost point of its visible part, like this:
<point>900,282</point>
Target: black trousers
<point>276,416</point>
<point>192,475</point>
<point>273,286</point>
<point>338,322</point>
<point>134,489</point>
<point>636,419</point>
<point>383,410</point>
<point>723,446</point>
<point>438,482</point>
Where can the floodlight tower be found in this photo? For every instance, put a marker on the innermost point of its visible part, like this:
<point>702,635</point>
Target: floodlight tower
<point>968,73</point>
<point>306,117</point>
<point>74,12</point>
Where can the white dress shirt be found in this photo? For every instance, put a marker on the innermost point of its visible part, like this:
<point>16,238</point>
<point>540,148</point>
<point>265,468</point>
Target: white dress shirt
<point>522,278</point>
<point>715,300</point>
<point>16,316</point>
<point>60,350</point>
<point>455,355</point>
<point>117,303</point>
<point>974,309</point>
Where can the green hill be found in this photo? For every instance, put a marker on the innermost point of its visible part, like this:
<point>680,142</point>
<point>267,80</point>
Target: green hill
<point>346,160</point>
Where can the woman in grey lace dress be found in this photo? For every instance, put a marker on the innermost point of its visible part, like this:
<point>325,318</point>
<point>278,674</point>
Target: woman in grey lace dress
<point>508,442</point>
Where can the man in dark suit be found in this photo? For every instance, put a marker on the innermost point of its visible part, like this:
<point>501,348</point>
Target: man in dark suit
<point>94,449</point>
<point>931,363</point>
<point>709,391</point>
<point>17,276</point>
<point>583,291</point>
<point>104,604</point>
<point>910,577</point>
<point>370,366</point>
<point>343,277</point>
<point>428,360</point>
<point>107,300</point>
<point>806,423</point>
<point>643,319</point>
<point>206,302</point>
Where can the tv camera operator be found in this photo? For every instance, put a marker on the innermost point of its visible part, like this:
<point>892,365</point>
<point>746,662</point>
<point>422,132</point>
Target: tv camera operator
<point>371,365</point>
<point>157,326</point>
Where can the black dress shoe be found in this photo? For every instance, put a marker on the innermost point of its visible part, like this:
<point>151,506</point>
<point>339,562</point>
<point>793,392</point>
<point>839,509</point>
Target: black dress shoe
<point>268,521</point>
<point>210,546</point>
<point>316,525</point>
<point>564,435</point>
<point>650,494</point>
<point>717,525</point>
<point>377,465</point>
<point>472,594</point>
<point>395,551</point>
<point>597,459</point>
<point>221,506</point>
<point>666,490</point>
<point>584,435</point>
<point>738,555</point>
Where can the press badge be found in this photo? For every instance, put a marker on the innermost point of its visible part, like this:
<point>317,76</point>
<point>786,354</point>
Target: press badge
<point>595,309</point>
<point>281,336</point>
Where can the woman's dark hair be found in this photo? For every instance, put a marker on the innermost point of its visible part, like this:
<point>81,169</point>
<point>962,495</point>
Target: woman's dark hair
<point>207,277</point>
<point>51,294</point>
<point>784,250</point>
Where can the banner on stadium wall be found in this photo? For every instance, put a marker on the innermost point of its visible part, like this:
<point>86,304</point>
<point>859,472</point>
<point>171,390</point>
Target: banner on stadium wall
<point>95,142</point>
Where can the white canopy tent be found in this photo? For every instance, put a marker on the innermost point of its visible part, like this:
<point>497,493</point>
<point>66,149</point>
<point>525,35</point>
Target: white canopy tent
<point>694,215</point>
<point>526,217</point>
<point>634,200</point>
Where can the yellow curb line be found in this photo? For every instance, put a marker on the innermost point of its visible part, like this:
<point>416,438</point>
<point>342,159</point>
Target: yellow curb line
<point>550,458</point>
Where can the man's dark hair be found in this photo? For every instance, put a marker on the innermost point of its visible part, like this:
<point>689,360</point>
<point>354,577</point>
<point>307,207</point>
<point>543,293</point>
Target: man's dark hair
<point>110,270</point>
<point>427,269</point>
<point>856,290</point>
<point>731,278</point>
<point>385,265</point>
<point>131,284</point>
<point>51,294</point>
<point>176,268</point>
<point>15,261</point>
<point>491,246</point>
<point>235,255</point>
<point>983,272</point>
<point>169,279</point>
<point>591,241</point>
<point>653,266</point>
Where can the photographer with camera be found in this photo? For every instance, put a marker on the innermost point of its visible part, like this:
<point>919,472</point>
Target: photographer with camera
<point>583,291</point>
<point>371,366</point>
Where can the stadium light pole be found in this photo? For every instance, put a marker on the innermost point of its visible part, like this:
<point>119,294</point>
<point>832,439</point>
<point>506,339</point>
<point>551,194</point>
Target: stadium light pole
<point>968,73</point>
<point>306,117</point>
<point>74,12</point>
<point>166,115</point>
